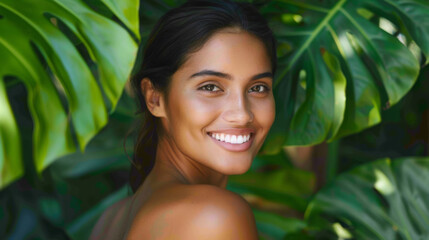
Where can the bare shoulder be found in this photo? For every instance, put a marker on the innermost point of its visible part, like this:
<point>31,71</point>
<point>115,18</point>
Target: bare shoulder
<point>197,212</point>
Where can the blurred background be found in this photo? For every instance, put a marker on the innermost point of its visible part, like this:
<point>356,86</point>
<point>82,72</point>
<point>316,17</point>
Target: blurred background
<point>347,157</point>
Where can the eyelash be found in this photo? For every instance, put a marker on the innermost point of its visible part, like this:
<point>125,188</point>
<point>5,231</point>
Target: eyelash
<point>267,89</point>
<point>205,88</point>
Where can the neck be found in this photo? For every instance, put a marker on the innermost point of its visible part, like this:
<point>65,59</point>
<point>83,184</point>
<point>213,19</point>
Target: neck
<point>172,165</point>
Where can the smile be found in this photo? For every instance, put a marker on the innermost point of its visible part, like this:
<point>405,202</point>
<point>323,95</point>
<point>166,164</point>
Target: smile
<point>233,140</point>
<point>229,138</point>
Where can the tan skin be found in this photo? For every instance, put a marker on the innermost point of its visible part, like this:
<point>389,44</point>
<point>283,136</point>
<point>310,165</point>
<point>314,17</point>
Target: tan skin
<point>184,196</point>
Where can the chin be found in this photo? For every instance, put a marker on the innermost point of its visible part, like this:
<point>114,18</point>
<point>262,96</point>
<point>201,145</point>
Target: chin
<point>239,172</point>
<point>240,167</point>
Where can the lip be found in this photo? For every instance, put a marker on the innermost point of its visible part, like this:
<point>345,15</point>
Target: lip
<point>234,147</point>
<point>234,131</point>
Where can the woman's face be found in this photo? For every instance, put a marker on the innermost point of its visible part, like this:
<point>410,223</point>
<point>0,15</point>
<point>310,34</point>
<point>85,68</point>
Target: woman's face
<point>220,104</point>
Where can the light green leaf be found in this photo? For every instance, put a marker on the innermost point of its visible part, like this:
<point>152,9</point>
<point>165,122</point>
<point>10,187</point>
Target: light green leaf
<point>127,12</point>
<point>10,145</point>
<point>35,35</point>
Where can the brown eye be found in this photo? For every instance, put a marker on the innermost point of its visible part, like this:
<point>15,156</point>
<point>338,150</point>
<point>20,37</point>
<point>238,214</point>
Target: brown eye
<point>259,89</point>
<point>210,88</point>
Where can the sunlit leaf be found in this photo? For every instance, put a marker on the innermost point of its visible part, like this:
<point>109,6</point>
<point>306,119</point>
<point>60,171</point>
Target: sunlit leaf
<point>10,150</point>
<point>40,35</point>
<point>352,68</point>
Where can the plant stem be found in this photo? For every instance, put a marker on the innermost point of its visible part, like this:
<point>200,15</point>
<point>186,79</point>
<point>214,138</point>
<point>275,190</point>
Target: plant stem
<point>332,161</point>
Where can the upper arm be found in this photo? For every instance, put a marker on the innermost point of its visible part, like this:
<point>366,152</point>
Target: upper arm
<point>210,213</point>
<point>225,215</point>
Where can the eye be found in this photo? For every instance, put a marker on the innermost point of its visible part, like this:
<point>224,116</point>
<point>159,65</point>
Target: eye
<point>210,88</point>
<point>259,89</point>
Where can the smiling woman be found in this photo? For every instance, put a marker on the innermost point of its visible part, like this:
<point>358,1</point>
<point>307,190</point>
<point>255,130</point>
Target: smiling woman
<point>204,88</point>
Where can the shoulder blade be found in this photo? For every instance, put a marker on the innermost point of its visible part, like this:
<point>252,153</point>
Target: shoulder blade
<point>208,212</point>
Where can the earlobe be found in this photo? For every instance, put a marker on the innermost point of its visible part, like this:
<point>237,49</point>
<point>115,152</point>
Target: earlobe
<point>153,98</point>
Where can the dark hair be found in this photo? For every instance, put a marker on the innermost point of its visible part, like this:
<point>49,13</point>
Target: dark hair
<point>178,33</point>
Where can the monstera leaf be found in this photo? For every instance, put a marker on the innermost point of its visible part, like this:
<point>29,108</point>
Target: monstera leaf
<point>288,186</point>
<point>338,69</point>
<point>38,46</point>
<point>380,200</point>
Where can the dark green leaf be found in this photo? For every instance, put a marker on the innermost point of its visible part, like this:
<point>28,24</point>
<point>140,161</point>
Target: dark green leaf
<point>274,226</point>
<point>341,69</point>
<point>289,186</point>
<point>380,200</point>
<point>81,227</point>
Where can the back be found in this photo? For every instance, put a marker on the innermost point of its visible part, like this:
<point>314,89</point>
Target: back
<point>194,212</point>
<point>179,212</point>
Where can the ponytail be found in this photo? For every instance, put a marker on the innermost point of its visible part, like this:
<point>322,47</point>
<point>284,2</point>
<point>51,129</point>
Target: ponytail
<point>144,151</point>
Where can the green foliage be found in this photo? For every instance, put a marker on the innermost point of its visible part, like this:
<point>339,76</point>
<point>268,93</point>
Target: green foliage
<point>403,131</point>
<point>338,68</point>
<point>273,226</point>
<point>81,227</point>
<point>275,180</point>
<point>10,149</point>
<point>45,44</point>
<point>288,186</point>
<point>385,199</point>
<point>68,197</point>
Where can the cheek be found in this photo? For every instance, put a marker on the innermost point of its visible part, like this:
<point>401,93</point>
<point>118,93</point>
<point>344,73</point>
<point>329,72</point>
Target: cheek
<point>264,112</point>
<point>192,113</point>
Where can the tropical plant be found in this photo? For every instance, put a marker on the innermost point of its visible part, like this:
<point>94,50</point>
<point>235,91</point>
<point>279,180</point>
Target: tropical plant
<point>385,199</point>
<point>341,63</point>
<point>66,199</point>
<point>400,134</point>
<point>338,67</point>
<point>58,50</point>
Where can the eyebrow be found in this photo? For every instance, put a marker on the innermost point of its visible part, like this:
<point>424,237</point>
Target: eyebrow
<point>227,76</point>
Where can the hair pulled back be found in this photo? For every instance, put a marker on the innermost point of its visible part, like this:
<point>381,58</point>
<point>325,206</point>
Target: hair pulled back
<point>178,33</point>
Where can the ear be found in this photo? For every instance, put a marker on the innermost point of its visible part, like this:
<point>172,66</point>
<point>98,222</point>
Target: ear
<point>153,98</point>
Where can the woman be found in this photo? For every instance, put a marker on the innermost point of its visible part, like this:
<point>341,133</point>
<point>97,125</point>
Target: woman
<point>204,87</point>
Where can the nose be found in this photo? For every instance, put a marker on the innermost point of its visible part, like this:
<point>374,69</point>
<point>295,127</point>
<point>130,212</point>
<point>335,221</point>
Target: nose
<point>237,110</point>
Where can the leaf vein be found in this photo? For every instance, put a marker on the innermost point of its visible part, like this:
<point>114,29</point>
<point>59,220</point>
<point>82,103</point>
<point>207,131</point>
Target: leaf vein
<point>310,39</point>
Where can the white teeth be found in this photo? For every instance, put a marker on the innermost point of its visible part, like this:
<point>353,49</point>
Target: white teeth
<point>233,139</point>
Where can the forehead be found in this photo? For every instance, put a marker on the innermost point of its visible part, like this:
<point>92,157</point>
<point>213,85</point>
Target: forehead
<point>237,53</point>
